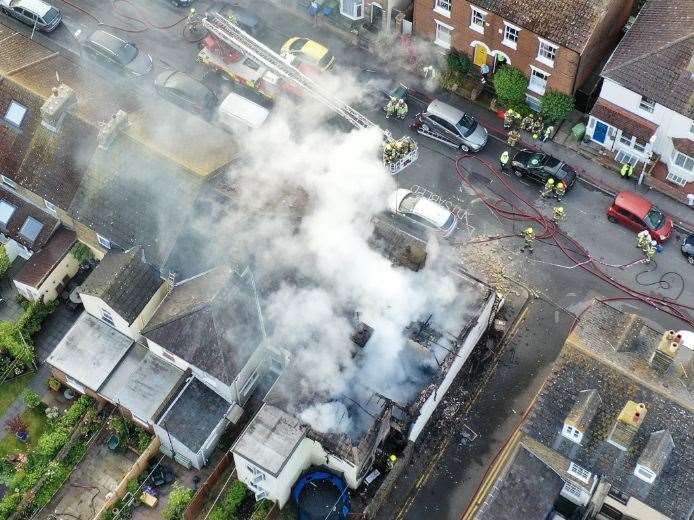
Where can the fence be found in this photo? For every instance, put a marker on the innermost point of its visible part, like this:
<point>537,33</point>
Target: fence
<point>198,502</point>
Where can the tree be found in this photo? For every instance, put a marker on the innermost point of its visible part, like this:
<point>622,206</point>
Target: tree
<point>179,498</point>
<point>510,84</point>
<point>458,62</point>
<point>4,260</point>
<point>555,106</point>
<point>82,253</point>
<point>31,398</point>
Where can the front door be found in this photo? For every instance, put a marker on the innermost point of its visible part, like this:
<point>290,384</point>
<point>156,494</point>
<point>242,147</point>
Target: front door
<point>600,132</point>
<point>480,55</point>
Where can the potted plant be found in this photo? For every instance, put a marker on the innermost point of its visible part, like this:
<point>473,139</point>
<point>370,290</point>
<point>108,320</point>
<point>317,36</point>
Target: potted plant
<point>17,426</point>
<point>54,384</point>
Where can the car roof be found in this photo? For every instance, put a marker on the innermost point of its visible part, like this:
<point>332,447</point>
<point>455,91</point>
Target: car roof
<point>432,211</point>
<point>638,205</point>
<point>314,49</point>
<point>38,7</point>
<point>445,111</point>
<point>106,39</point>
<point>182,81</point>
<point>245,109</point>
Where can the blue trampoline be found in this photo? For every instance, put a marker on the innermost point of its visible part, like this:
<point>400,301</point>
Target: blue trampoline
<point>320,495</point>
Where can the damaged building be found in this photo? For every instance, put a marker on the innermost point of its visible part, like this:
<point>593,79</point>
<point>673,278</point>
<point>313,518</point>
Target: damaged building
<point>286,437</point>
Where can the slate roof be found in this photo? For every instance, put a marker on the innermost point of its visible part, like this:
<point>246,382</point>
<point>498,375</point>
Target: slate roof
<point>654,58</point>
<point>686,146</point>
<point>569,23</point>
<point>641,128</point>
<point>24,210</point>
<point>656,453</point>
<point>211,321</point>
<point>14,142</point>
<point>583,410</point>
<point>194,415</point>
<point>41,264</point>
<point>124,281</point>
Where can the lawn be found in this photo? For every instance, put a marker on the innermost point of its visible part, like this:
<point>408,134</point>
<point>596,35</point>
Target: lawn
<point>36,422</point>
<point>11,390</point>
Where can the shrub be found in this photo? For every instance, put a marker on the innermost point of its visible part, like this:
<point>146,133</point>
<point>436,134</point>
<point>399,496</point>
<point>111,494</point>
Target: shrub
<point>555,106</point>
<point>261,510</point>
<point>143,440</point>
<point>9,504</point>
<point>458,62</point>
<point>50,443</point>
<point>76,411</point>
<point>16,425</point>
<point>16,344</point>
<point>82,253</point>
<point>521,107</point>
<point>4,260</point>
<point>179,498</point>
<point>56,474</point>
<point>234,497</point>
<point>30,321</point>
<point>31,398</point>
<point>510,84</point>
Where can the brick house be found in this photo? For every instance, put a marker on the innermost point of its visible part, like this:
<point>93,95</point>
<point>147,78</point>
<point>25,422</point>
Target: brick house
<point>556,43</point>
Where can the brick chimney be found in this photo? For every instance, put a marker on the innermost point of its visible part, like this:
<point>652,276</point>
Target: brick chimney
<point>56,106</point>
<point>665,352</point>
<point>627,425</point>
<point>110,130</point>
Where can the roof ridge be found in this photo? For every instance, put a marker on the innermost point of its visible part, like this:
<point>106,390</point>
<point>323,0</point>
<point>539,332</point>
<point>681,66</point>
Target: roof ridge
<point>194,310</point>
<point>608,69</point>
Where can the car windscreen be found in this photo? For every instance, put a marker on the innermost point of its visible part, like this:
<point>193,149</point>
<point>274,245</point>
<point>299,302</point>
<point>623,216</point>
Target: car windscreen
<point>323,62</point>
<point>654,218</point>
<point>51,15</point>
<point>466,125</point>
<point>399,92</point>
<point>449,222</point>
<point>297,45</point>
<point>126,53</point>
<point>408,203</point>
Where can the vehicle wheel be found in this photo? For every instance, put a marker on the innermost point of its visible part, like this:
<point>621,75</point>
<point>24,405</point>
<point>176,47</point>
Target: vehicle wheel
<point>464,148</point>
<point>690,259</point>
<point>611,219</point>
<point>518,173</point>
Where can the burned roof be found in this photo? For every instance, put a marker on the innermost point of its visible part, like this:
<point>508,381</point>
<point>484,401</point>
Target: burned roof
<point>212,321</point>
<point>124,281</point>
<point>515,494</point>
<point>25,223</point>
<point>575,369</point>
<point>195,414</point>
<point>654,58</point>
<point>41,264</point>
<point>565,22</point>
<point>270,438</point>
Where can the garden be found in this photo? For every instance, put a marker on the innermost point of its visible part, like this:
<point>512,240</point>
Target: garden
<point>40,451</point>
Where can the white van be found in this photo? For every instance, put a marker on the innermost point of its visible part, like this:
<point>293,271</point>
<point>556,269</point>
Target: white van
<point>236,113</point>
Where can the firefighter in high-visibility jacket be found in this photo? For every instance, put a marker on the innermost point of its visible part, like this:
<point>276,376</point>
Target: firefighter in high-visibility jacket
<point>529,237</point>
<point>549,188</point>
<point>559,191</point>
<point>643,238</point>
<point>559,213</point>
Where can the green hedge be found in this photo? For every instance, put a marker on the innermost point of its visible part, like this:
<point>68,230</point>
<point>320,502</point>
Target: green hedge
<point>555,106</point>
<point>4,260</point>
<point>179,498</point>
<point>16,337</point>
<point>226,509</point>
<point>510,84</point>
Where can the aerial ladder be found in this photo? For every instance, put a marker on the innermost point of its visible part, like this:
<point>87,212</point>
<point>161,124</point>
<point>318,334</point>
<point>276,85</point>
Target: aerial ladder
<point>406,150</point>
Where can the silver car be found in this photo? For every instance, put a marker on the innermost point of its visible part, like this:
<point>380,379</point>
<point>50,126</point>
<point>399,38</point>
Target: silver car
<point>451,126</point>
<point>112,51</point>
<point>34,13</point>
<point>422,211</point>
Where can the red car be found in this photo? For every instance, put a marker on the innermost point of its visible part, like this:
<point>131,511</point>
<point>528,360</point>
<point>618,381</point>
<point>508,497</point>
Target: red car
<point>638,213</point>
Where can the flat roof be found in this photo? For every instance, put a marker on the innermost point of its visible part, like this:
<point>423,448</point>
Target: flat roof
<point>89,351</point>
<point>195,414</point>
<point>142,382</point>
<point>270,438</point>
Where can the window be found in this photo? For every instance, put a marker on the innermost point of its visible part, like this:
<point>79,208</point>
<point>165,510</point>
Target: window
<point>546,53</point>
<point>353,9</point>
<point>443,35</point>
<point>103,241</point>
<point>15,113</point>
<point>106,316</point>
<point>30,229</point>
<point>677,179</point>
<point>6,212</point>
<point>647,474</point>
<point>257,476</point>
<point>576,433</point>
<point>533,102</point>
<point>477,20</point>
<point>52,208</point>
<point>511,33</point>
<point>647,105</point>
<point>691,129</point>
<point>443,7</point>
<point>683,161</point>
<point>9,182</point>
<point>625,139</point>
<point>579,472</point>
<point>538,81</point>
<point>623,157</point>
<point>638,146</point>
<point>572,492</point>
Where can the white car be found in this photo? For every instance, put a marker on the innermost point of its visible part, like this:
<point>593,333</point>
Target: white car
<point>422,211</point>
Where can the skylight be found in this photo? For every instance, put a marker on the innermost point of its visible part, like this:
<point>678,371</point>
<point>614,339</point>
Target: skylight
<point>30,229</point>
<point>6,212</point>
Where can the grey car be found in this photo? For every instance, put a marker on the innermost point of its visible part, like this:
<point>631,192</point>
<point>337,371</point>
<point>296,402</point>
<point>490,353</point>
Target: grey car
<point>451,126</point>
<point>112,51</point>
<point>34,13</point>
<point>185,91</point>
<point>244,18</point>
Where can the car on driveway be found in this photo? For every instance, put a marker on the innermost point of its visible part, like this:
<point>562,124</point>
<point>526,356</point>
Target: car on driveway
<point>244,18</point>
<point>449,125</point>
<point>538,166</point>
<point>112,51</point>
<point>638,213</point>
<point>381,87</point>
<point>36,13</point>
<point>688,248</point>
<point>422,211</point>
<point>185,91</point>
<point>308,51</point>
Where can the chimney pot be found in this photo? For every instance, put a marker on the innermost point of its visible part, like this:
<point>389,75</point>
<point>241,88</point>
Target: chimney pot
<point>109,131</point>
<point>55,107</point>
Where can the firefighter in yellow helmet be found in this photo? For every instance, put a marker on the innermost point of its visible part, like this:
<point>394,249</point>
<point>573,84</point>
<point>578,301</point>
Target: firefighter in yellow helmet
<point>529,237</point>
<point>559,191</point>
<point>549,188</point>
<point>559,213</point>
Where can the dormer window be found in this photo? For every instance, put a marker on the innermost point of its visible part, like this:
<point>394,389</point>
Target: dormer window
<point>15,114</point>
<point>103,241</point>
<point>647,104</point>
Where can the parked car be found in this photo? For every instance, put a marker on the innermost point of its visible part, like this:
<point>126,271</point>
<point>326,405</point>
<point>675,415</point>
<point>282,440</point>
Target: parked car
<point>36,13</point>
<point>112,51</point>
<point>244,18</point>
<point>688,248</point>
<point>185,91</point>
<point>381,87</point>
<point>308,51</point>
<point>451,126</point>
<point>422,211</point>
<point>538,166</point>
<point>238,114</point>
<point>638,213</point>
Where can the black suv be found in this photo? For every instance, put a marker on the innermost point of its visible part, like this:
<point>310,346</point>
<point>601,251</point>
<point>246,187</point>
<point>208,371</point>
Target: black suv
<point>538,166</point>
